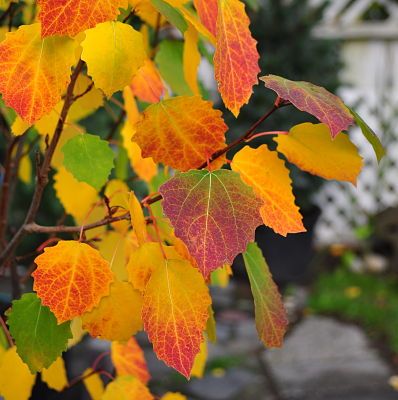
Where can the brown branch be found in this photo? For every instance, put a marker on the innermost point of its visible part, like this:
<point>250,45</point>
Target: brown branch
<point>42,175</point>
<point>35,228</point>
<point>116,125</point>
<point>5,190</point>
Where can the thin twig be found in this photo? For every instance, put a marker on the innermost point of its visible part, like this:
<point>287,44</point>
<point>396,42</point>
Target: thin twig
<point>5,190</point>
<point>35,228</point>
<point>116,125</point>
<point>88,88</point>
<point>6,331</point>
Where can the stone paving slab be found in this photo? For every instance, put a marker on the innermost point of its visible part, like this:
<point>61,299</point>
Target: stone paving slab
<point>326,359</point>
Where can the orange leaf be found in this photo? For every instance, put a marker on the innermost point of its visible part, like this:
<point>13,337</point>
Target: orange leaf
<point>69,17</point>
<point>144,260</point>
<point>129,359</point>
<point>34,72</point>
<point>310,147</point>
<point>126,388</point>
<point>117,316</point>
<point>207,11</point>
<point>236,56</point>
<point>144,167</point>
<point>175,313</point>
<point>266,173</point>
<point>147,84</point>
<point>71,278</point>
<point>181,132</point>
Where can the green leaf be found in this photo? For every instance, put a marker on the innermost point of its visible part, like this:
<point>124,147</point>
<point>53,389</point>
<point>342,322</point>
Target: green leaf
<point>38,337</point>
<point>171,14</point>
<point>3,340</point>
<point>169,62</point>
<point>370,135</point>
<point>89,159</point>
<point>271,321</point>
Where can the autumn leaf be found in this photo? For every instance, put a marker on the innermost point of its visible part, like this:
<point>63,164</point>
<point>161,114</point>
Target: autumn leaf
<point>181,132</point>
<point>191,59</point>
<point>370,135</point>
<point>267,174</point>
<point>207,11</point>
<point>89,159</point>
<point>117,316</point>
<point>55,375</point>
<point>199,364</point>
<point>270,315</point>
<point>147,83</point>
<point>171,13</point>
<point>34,72</point>
<point>310,147</point>
<point>16,381</point>
<point>93,384</point>
<point>113,64</point>
<point>129,359</point>
<point>66,187</point>
<point>126,388</point>
<point>69,17</point>
<point>176,301</point>
<point>315,100</point>
<point>144,260</point>
<point>71,278</point>
<point>144,167</point>
<point>169,59</point>
<point>137,219</point>
<point>173,396</point>
<point>38,337</point>
<point>214,213</point>
<point>236,57</point>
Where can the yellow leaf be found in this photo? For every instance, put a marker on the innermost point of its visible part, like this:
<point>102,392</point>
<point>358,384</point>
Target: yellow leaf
<point>147,12</point>
<point>129,359</point>
<point>115,249</point>
<point>211,331</point>
<point>173,396</point>
<point>121,53</point>
<point>145,168</point>
<point>144,260</point>
<point>16,381</point>
<point>55,375</point>
<point>93,384</point>
<point>86,104</point>
<point>130,105</point>
<point>175,312</point>
<point>71,278</point>
<point>34,71</point>
<point>117,193</point>
<point>66,187</point>
<point>267,174</point>
<point>77,332</point>
<point>68,133</point>
<point>126,388</point>
<point>199,365</point>
<point>311,148</point>
<point>137,219</point>
<point>19,126</point>
<point>191,58</point>
<point>117,316</point>
<point>220,276</point>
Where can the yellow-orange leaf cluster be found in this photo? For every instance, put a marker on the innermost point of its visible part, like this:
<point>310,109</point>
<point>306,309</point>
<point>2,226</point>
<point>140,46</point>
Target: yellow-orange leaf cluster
<point>71,278</point>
